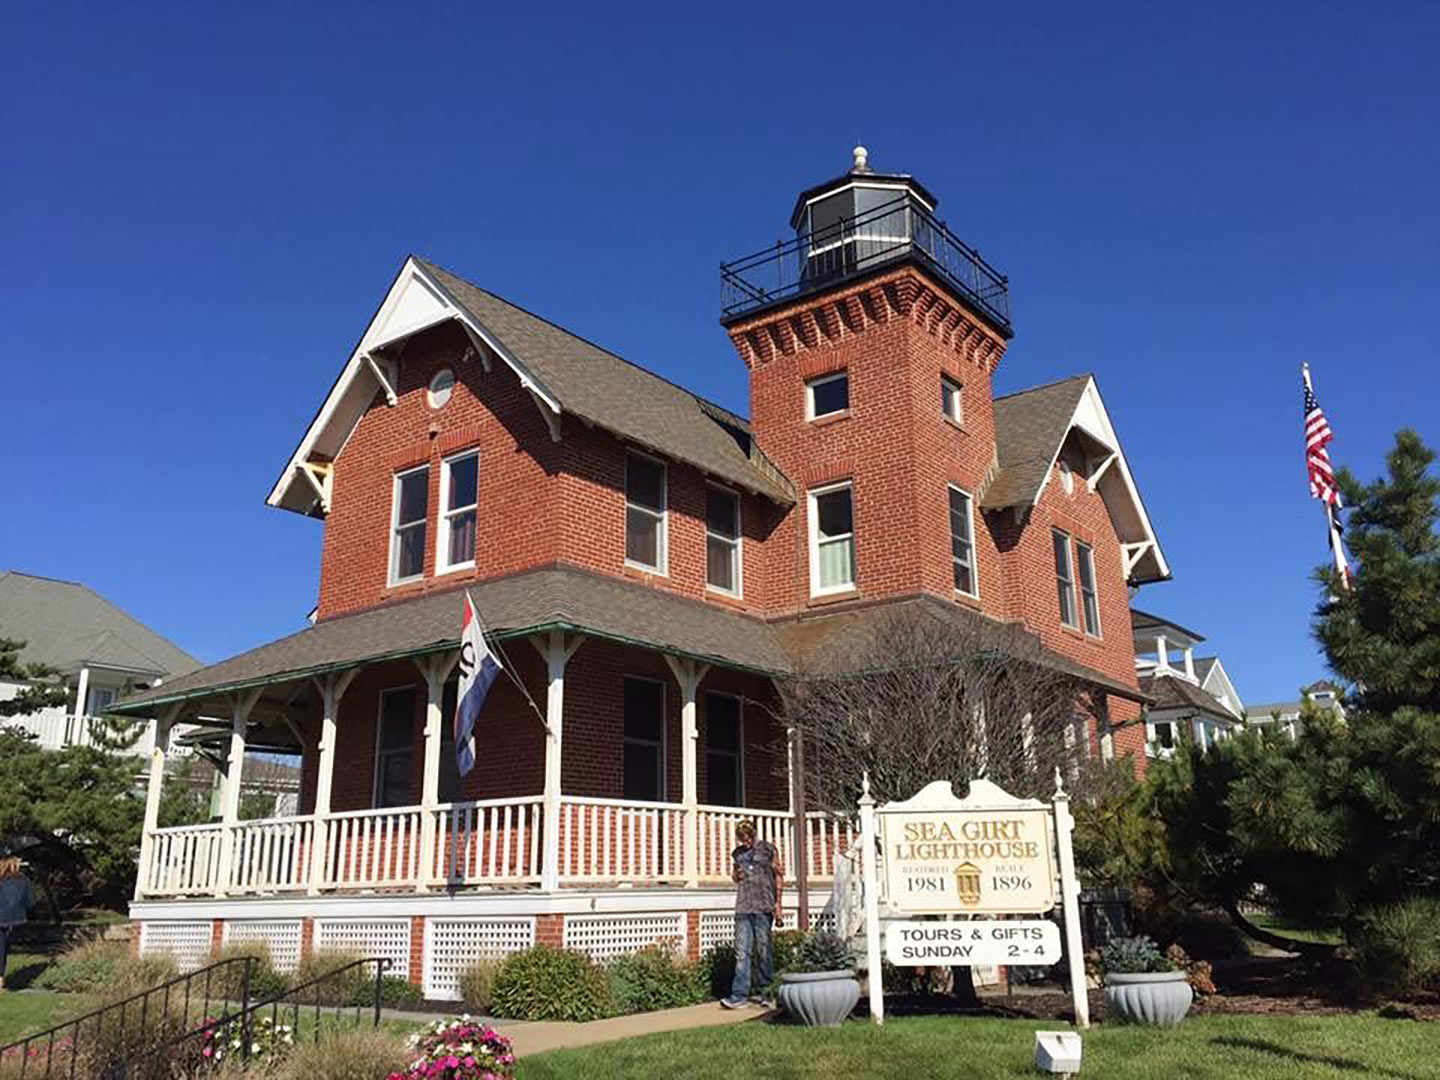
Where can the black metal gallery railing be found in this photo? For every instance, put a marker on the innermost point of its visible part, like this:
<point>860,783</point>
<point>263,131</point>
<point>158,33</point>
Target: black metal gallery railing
<point>189,1025</point>
<point>852,246</point>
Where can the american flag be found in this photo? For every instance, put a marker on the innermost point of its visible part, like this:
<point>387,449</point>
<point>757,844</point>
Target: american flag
<point>1322,477</point>
<point>1317,458</point>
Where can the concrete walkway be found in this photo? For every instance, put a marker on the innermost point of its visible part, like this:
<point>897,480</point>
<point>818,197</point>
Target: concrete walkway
<point>538,1036</point>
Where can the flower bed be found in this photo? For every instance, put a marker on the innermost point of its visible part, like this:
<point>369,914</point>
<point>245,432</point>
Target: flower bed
<point>458,1048</point>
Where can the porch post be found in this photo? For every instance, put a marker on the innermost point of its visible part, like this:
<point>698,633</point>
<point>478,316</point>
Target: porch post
<point>230,798</point>
<point>556,651</point>
<point>688,674</point>
<point>436,670</point>
<point>75,725</point>
<point>163,725</point>
<point>332,688</point>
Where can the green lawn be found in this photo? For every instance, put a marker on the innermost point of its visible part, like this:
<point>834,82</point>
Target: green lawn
<point>1328,933</point>
<point>26,1011</point>
<point>1202,1048</point>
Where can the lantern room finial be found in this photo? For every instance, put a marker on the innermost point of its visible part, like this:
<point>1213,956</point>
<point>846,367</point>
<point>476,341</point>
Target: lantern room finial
<point>862,159</point>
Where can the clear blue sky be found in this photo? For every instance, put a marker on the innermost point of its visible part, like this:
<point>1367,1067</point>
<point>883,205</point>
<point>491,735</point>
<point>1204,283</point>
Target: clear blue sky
<point>200,206</point>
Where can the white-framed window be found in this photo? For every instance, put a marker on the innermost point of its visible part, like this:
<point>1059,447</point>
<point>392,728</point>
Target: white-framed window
<point>407,524</point>
<point>962,541</point>
<point>827,395</point>
<point>722,540</point>
<point>394,746</point>
<point>952,399</point>
<point>724,749</point>
<point>100,699</point>
<point>644,739</point>
<point>1162,734</point>
<point>1064,578</point>
<point>645,512</point>
<point>1089,604</point>
<point>459,493</point>
<point>832,539</point>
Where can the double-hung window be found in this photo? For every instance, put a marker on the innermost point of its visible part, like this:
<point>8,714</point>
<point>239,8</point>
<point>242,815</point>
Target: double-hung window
<point>644,740</point>
<point>962,541</point>
<point>459,480</point>
<point>827,396</point>
<point>1064,578</point>
<point>832,540</point>
<point>1089,605</point>
<point>395,747</point>
<point>645,503</point>
<point>952,401</point>
<point>407,526</point>
<point>722,540</point>
<point>724,768</point>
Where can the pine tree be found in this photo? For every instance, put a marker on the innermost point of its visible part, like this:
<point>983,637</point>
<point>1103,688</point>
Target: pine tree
<point>43,688</point>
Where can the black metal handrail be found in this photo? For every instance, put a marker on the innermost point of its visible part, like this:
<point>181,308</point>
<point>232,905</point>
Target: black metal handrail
<point>901,228</point>
<point>64,1046</point>
<point>169,1059</point>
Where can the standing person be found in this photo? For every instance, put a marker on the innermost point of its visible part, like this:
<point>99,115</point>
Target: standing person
<point>758,883</point>
<point>15,901</point>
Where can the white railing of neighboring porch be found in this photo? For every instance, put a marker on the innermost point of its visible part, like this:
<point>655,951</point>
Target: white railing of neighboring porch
<point>494,842</point>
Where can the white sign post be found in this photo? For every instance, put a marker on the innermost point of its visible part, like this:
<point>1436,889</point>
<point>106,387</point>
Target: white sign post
<point>986,854</point>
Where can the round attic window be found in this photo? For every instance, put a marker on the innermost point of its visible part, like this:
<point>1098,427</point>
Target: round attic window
<point>441,387</point>
<point>1067,478</point>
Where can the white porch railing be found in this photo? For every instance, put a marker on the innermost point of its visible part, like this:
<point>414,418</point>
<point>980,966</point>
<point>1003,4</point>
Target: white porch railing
<point>272,854</point>
<point>495,841</point>
<point>489,842</point>
<point>372,848</point>
<point>620,840</point>
<point>183,860</point>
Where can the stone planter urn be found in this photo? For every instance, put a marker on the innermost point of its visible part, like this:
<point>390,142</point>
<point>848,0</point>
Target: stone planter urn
<point>1153,997</point>
<point>820,998</point>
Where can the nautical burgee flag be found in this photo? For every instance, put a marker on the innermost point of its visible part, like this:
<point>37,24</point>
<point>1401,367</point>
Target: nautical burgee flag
<point>478,668</point>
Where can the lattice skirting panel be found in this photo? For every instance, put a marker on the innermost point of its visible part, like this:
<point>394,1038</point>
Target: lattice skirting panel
<point>388,938</point>
<point>452,944</point>
<point>604,936</point>
<point>188,942</point>
<point>281,937</point>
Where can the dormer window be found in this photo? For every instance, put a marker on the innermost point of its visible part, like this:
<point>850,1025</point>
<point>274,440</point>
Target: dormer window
<point>828,395</point>
<point>410,508</point>
<point>952,402</point>
<point>645,512</point>
<point>459,481</point>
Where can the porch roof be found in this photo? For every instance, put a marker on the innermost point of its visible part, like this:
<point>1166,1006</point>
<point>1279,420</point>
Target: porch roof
<point>558,598</point>
<point>1181,694</point>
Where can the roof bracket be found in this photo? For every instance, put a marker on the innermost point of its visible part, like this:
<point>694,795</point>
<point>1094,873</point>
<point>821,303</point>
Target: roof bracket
<point>319,479</point>
<point>478,348</point>
<point>1093,480</point>
<point>380,377</point>
<point>1133,553</point>
<point>551,416</point>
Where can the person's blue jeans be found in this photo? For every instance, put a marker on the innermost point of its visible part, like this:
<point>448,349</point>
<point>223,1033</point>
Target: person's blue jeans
<point>752,936</point>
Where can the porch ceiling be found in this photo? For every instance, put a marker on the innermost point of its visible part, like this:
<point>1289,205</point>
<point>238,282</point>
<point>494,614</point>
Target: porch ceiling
<point>558,598</point>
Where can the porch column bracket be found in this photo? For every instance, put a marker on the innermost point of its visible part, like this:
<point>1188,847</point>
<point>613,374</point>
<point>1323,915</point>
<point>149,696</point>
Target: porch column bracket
<point>381,378</point>
<point>241,705</point>
<point>331,689</point>
<point>435,669</point>
<point>164,724</point>
<point>555,648</point>
<point>689,675</point>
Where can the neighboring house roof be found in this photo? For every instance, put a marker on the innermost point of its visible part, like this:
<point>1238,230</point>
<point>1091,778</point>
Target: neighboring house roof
<point>68,626</point>
<point>1172,693</point>
<point>1031,428</point>
<point>1143,620</point>
<point>563,372</point>
<point>1267,710</point>
<point>584,602</point>
<point>1203,666</point>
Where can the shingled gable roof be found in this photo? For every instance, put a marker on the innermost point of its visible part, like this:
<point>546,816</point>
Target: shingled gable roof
<point>69,626</point>
<point>563,372</point>
<point>1169,692</point>
<point>1031,427</point>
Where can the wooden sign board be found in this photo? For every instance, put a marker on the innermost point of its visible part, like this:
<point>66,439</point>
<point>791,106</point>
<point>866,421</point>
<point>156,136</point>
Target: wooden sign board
<point>975,941</point>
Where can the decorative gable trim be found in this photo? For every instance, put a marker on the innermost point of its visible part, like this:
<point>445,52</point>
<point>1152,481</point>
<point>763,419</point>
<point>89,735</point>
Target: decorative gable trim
<point>415,302</point>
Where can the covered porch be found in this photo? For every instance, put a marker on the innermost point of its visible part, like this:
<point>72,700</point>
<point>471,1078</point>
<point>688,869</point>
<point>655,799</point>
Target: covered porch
<point>614,758</point>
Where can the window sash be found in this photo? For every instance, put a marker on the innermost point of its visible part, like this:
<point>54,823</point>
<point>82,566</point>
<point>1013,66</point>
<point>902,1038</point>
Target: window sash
<point>457,520</point>
<point>724,750</point>
<point>962,541</point>
<point>1064,578</point>
<point>722,543</point>
<point>643,754</point>
<point>813,395</point>
<point>645,517</point>
<point>832,554</point>
<point>1089,604</point>
<point>407,534</point>
<point>952,404</point>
